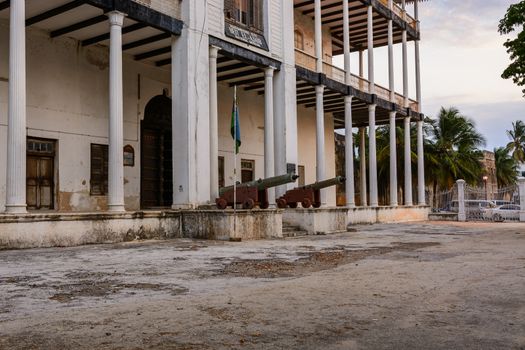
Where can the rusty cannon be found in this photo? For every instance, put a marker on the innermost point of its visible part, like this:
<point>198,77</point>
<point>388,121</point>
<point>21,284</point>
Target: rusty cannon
<point>309,195</point>
<point>252,193</point>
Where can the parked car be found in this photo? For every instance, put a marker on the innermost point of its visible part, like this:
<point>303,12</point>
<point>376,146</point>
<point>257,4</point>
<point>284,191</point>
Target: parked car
<point>503,213</point>
<point>471,205</point>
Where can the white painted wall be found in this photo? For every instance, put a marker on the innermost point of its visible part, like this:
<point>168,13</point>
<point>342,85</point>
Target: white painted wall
<point>67,97</point>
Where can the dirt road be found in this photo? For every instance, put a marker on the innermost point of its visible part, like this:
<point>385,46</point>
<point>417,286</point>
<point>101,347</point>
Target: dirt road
<point>410,286</point>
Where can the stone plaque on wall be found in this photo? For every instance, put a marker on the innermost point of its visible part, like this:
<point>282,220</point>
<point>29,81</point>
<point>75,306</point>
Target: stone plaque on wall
<point>246,36</point>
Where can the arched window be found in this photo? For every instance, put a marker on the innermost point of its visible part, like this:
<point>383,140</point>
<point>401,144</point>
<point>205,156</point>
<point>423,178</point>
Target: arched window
<point>299,40</point>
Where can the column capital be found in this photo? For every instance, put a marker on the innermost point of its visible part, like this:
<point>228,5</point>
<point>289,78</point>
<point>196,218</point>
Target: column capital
<point>392,114</point>
<point>348,98</point>
<point>214,51</point>
<point>116,18</point>
<point>319,89</point>
<point>269,71</point>
<point>372,107</point>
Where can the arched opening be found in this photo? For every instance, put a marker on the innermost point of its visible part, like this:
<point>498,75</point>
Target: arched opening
<point>156,176</point>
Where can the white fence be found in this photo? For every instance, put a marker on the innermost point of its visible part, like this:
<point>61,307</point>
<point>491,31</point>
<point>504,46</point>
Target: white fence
<point>478,204</point>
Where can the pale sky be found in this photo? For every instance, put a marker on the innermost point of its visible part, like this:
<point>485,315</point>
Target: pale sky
<point>462,58</point>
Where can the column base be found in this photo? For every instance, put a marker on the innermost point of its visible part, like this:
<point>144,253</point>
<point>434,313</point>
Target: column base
<point>116,208</point>
<point>16,208</point>
<point>183,206</point>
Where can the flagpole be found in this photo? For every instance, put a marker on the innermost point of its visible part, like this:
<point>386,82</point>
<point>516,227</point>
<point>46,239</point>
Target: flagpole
<point>235,162</point>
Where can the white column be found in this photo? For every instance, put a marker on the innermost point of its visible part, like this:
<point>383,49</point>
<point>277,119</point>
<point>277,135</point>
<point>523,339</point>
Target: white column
<point>391,81</point>
<point>420,165</point>
<point>116,121</point>
<point>16,129</point>
<point>362,163</point>
<point>214,126</point>
<point>405,62</point>
<point>393,160</point>
<point>318,37</point>
<point>370,37</point>
<point>349,138</point>
<point>521,184</point>
<point>269,165</point>
<point>408,164</point>
<point>349,154</point>
<point>320,140</point>
<point>372,158</point>
<point>462,216</point>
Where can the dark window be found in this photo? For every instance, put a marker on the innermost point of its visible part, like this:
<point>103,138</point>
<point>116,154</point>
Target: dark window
<point>221,172</point>
<point>99,170</point>
<point>247,170</point>
<point>248,13</point>
<point>299,40</point>
<point>301,179</point>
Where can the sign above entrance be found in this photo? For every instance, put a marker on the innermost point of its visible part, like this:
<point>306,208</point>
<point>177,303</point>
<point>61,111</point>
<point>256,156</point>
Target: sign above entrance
<point>246,36</point>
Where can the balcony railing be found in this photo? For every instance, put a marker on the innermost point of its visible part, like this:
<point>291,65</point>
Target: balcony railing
<point>308,61</point>
<point>403,14</point>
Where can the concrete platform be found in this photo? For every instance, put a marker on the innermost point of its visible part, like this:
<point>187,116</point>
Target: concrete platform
<point>72,229</point>
<point>318,221</point>
<point>368,215</point>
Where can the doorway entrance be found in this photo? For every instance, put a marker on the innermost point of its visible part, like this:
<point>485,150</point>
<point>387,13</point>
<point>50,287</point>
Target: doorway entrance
<point>156,179</point>
<point>40,174</point>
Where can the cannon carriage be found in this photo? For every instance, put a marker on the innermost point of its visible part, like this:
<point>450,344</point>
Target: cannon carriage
<point>253,193</point>
<point>309,195</point>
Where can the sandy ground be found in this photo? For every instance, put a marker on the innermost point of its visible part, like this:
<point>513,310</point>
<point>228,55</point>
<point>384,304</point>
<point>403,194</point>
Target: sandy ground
<point>410,286</point>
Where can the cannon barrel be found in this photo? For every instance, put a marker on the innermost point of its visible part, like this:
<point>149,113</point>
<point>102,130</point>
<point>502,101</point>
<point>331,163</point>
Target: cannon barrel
<point>263,184</point>
<point>327,183</point>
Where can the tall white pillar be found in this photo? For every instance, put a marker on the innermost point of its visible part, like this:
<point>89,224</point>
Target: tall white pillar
<point>16,129</point>
<point>318,37</point>
<point>349,137</point>
<point>462,215</point>
<point>391,81</point>
<point>370,37</point>
<point>190,66</point>
<point>362,164</point>
<point>408,165</point>
<point>372,156</point>
<point>269,165</point>
<point>420,165</point>
<point>320,139</point>
<point>214,126</point>
<point>405,62</point>
<point>349,154</point>
<point>393,160</point>
<point>116,115</point>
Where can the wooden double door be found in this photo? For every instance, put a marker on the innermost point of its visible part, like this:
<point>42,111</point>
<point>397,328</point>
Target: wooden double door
<point>40,178</point>
<point>156,179</point>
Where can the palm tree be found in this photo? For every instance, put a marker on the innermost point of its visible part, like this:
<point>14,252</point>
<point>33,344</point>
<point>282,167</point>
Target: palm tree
<point>453,152</point>
<point>517,143</point>
<point>506,167</point>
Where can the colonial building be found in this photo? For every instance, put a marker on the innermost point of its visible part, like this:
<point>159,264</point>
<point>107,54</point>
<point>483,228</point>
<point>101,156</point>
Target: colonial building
<point>120,105</point>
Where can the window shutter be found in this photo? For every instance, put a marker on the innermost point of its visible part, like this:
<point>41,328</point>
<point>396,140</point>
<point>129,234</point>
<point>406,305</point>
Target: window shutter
<point>257,11</point>
<point>99,170</point>
<point>229,9</point>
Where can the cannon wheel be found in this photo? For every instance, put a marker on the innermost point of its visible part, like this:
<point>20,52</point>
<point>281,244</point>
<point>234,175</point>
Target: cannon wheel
<point>222,204</point>
<point>306,203</point>
<point>317,205</point>
<point>292,205</point>
<point>264,205</point>
<point>281,203</point>
<point>248,204</point>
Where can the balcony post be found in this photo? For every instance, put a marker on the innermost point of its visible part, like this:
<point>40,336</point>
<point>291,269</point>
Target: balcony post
<point>16,128</point>
<point>318,37</point>
<point>362,164</point>
<point>214,126</point>
<point>391,81</point>
<point>320,139</point>
<point>408,164</point>
<point>393,160</point>
<point>346,40</point>
<point>349,154</point>
<point>420,165</point>
<point>370,30</point>
<point>269,166</point>
<point>372,156</point>
<point>116,115</point>
<point>405,61</point>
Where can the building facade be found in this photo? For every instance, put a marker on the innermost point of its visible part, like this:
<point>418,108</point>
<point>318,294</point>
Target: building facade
<point>121,105</point>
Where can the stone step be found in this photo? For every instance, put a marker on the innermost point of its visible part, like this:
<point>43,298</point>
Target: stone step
<point>287,228</point>
<point>290,234</point>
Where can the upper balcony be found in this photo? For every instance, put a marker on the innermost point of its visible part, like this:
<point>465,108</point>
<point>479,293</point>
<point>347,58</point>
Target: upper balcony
<point>332,22</point>
<point>308,61</point>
